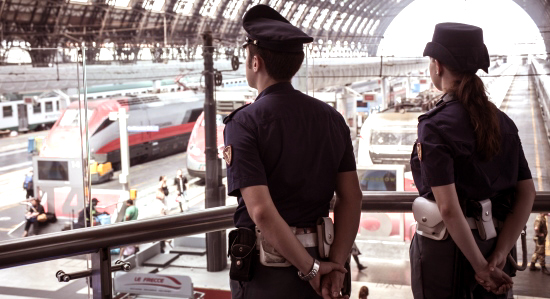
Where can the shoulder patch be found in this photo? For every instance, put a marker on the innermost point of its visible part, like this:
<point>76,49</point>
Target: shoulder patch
<point>230,116</point>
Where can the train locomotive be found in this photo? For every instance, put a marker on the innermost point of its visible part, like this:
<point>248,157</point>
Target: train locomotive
<point>174,114</point>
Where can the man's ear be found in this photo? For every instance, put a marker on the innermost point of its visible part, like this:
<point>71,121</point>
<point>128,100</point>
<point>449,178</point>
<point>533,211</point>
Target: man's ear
<point>256,63</point>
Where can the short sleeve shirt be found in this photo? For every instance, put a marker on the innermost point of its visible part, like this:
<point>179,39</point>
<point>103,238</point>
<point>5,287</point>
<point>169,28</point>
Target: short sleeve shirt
<point>445,153</point>
<point>292,143</point>
<point>132,211</point>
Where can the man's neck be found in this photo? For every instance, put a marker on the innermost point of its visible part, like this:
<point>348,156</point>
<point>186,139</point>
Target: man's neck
<point>262,83</point>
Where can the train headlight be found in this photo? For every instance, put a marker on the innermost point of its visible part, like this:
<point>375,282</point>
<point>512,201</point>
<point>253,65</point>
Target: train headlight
<point>194,150</point>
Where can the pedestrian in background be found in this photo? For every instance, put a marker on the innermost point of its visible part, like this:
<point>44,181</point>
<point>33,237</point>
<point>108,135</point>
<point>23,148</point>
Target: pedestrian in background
<point>131,213</point>
<point>541,231</point>
<point>363,292</point>
<point>355,254</point>
<point>158,209</point>
<point>181,183</point>
<point>31,217</point>
<point>28,185</point>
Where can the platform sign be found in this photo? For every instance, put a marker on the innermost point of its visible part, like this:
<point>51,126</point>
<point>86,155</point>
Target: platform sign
<point>179,286</point>
<point>140,129</point>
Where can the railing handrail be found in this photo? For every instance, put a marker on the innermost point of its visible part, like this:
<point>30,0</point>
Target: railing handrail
<point>81,241</point>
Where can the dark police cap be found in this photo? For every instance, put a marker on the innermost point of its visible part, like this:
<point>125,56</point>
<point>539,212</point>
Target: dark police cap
<point>459,46</point>
<point>268,29</point>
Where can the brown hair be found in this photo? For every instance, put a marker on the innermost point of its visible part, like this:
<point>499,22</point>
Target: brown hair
<point>280,66</point>
<point>363,292</point>
<point>470,91</point>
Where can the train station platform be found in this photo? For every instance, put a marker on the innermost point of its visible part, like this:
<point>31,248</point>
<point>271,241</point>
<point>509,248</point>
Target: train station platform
<point>388,269</point>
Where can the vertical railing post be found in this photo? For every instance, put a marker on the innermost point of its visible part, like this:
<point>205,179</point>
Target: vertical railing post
<point>102,284</point>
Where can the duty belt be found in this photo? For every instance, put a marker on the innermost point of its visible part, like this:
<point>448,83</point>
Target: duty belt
<point>306,235</point>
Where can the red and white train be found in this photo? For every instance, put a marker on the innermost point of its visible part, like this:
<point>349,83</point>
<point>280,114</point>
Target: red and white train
<point>227,101</point>
<point>175,115</point>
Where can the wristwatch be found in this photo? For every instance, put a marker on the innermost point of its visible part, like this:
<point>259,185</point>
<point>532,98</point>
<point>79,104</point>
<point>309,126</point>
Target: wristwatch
<point>312,273</point>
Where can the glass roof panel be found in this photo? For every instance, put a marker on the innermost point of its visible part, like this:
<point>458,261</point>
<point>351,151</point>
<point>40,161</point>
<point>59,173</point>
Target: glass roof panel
<point>322,15</point>
<point>331,19</point>
<point>348,22</point>
<point>184,7</point>
<point>155,5</point>
<point>362,26</point>
<point>339,20</point>
<point>371,32</point>
<point>122,3</point>
<point>309,17</point>
<point>209,8</point>
<point>286,8</point>
<point>232,9</point>
<point>274,3</point>
<point>355,24</point>
<point>366,29</point>
<point>298,14</point>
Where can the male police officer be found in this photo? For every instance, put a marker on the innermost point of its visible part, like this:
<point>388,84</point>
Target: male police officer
<point>286,154</point>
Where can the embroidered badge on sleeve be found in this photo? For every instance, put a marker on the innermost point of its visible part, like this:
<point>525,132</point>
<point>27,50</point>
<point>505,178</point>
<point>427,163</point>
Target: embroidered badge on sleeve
<point>228,155</point>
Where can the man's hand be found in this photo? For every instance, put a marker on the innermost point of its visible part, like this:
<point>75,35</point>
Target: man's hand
<point>493,279</point>
<point>325,268</point>
<point>331,285</point>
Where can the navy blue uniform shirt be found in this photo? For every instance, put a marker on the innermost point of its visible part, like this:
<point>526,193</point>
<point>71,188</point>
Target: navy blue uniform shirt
<point>447,144</point>
<point>292,143</point>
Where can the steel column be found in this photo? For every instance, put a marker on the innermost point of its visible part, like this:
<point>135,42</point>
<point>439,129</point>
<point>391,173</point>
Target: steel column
<point>214,190</point>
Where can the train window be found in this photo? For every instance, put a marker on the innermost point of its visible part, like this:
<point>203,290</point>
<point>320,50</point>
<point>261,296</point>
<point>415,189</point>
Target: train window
<point>103,125</point>
<point>191,115</point>
<point>7,111</point>
<point>37,108</point>
<point>57,105</point>
<point>49,106</point>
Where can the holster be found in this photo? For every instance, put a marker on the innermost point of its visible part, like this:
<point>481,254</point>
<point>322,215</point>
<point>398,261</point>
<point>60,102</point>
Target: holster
<point>241,250</point>
<point>481,211</point>
<point>429,222</point>
<point>325,235</point>
<point>269,256</point>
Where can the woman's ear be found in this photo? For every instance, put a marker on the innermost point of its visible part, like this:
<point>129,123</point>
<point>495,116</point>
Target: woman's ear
<point>438,68</point>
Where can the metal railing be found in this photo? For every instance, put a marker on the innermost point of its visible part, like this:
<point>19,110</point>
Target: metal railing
<point>97,240</point>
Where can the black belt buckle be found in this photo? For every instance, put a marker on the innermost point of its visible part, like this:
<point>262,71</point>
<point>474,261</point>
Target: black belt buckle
<point>241,250</point>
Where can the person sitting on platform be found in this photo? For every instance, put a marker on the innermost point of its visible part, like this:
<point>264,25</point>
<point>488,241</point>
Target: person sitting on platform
<point>31,216</point>
<point>84,219</point>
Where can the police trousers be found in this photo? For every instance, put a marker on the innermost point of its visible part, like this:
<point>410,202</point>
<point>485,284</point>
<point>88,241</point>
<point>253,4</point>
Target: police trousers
<point>274,282</point>
<point>433,268</point>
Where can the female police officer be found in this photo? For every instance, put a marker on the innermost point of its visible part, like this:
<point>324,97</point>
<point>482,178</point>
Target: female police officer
<point>467,151</point>
<point>286,154</point>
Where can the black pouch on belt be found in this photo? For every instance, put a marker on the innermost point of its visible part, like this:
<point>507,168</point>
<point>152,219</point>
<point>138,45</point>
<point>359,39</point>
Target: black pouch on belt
<point>241,250</point>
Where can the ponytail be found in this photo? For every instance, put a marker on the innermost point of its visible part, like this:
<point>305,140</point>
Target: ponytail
<point>470,91</point>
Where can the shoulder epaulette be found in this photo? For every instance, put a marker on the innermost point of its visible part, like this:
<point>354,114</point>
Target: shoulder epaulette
<point>438,107</point>
<point>230,116</point>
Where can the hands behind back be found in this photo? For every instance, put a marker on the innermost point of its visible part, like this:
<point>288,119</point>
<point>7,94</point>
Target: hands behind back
<point>331,285</point>
<point>324,269</point>
<point>492,278</point>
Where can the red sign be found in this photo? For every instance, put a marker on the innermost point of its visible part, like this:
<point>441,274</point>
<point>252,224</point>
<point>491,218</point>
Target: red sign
<point>369,97</point>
